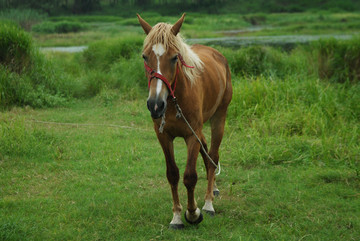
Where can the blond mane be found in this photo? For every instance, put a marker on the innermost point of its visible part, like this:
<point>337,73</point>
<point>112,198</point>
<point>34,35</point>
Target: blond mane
<point>161,33</point>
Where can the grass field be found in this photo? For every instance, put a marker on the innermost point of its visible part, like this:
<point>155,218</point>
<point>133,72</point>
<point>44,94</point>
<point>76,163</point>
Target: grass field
<point>79,159</point>
<point>103,177</point>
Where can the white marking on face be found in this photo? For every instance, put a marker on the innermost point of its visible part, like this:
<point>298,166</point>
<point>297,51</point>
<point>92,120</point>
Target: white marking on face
<point>159,50</point>
<point>158,87</point>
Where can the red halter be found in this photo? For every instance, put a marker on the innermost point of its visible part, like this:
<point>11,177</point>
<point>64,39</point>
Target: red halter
<point>153,74</point>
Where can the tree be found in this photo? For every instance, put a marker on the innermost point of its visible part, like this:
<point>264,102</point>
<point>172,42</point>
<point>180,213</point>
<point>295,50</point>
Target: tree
<point>84,6</point>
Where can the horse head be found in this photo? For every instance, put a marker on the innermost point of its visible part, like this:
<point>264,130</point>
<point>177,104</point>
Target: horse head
<point>161,56</point>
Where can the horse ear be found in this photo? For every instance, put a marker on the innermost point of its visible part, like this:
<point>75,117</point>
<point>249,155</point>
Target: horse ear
<point>176,28</point>
<point>147,27</point>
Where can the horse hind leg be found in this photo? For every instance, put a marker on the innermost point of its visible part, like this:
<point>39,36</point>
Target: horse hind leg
<point>216,190</point>
<point>207,163</point>
<point>208,208</point>
<point>217,122</point>
<point>217,132</point>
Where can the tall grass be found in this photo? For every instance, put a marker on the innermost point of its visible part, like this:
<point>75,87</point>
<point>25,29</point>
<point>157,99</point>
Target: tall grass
<point>291,111</point>
<point>269,62</point>
<point>339,60</point>
<point>102,54</point>
<point>25,18</point>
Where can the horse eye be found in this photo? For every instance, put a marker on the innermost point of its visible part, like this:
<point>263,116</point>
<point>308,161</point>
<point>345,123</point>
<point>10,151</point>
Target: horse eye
<point>145,57</point>
<point>174,59</point>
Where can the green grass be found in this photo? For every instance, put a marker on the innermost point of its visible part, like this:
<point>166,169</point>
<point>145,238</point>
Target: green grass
<point>290,169</point>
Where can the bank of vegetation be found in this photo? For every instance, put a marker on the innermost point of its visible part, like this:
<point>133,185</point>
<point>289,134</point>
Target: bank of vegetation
<point>115,64</point>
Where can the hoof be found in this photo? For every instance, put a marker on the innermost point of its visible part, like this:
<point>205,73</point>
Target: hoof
<point>196,221</point>
<point>176,226</point>
<point>210,213</point>
<point>216,193</point>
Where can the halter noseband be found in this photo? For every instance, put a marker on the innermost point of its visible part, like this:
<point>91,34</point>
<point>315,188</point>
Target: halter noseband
<point>152,74</point>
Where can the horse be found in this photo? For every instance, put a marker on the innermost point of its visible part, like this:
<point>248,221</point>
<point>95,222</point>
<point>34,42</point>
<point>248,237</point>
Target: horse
<point>188,85</point>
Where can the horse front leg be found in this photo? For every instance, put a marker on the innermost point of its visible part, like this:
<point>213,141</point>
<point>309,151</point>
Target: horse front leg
<point>193,214</point>
<point>172,174</point>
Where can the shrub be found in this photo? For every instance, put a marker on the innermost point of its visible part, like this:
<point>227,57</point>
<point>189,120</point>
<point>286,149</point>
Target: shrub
<point>102,54</point>
<point>253,61</point>
<point>58,27</point>
<point>339,60</point>
<point>26,77</point>
<point>67,27</point>
<point>15,47</point>
<point>266,61</point>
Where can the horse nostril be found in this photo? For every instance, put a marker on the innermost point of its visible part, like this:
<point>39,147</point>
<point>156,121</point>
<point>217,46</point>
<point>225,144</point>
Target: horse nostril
<point>161,105</point>
<point>156,107</point>
<point>148,105</point>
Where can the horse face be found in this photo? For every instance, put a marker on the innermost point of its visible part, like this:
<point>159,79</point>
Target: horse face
<point>162,62</point>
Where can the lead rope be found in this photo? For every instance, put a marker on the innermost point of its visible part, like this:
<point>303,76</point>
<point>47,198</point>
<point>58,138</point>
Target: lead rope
<point>180,114</point>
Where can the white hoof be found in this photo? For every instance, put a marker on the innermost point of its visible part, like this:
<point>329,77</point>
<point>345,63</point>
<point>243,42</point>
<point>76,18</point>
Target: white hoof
<point>208,208</point>
<point>176,222</point>
<point>194,218</point>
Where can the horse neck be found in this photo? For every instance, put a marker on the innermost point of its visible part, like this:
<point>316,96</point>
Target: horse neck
<point>183,86</point>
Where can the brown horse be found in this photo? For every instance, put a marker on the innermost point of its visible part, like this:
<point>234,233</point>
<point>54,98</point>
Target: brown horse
<point>197,79</point>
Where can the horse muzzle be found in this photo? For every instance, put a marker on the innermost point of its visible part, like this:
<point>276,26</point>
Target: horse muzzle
<point>157,107</point>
